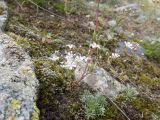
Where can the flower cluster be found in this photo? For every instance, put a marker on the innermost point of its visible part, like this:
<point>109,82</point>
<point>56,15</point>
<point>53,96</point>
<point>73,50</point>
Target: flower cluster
<point>71,46</point>
<point>115,55</point>
<point>95,45</point>
<point>72,60</point>
<point>132,46</point>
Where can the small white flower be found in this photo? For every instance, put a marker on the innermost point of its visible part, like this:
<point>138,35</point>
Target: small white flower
<point>94,45</point>
<point>72,60</point>
<point>52,16</point>
<point>132,34</point>
<point>71,46</point>
<point>87,16</point>
<point>129,45</point>
<point>54,57</point>
<point>115,55</point>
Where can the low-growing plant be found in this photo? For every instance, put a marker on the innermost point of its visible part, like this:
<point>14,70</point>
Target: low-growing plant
<point>59,6</point>
<point>130,91</point>
<point>95,104</point>
<point>75,7</point>
<point>152,50</point>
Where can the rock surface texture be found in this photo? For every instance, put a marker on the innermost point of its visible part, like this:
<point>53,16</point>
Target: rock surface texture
<point>98,79</point>
<point>18,84</point>
<point>3,15</point>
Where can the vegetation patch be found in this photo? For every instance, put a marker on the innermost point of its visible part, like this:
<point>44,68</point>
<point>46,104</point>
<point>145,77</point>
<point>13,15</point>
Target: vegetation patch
<point>152,50</point>
<point>59,97</point>
<point>95,105</point>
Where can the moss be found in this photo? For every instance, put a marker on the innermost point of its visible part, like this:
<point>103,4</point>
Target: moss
<point>15,104</point>
<point>35,114</point>
<point>152,69</point>
<point>11,118</point>
<point>75,7</point>
<point>148,81</point>
<point>57,95</point>
<point>59,7</point>
<point>23,42</point>
<point>146,107</point>
<point>134,108</point>
<point>58,98</point>
<point>152,50</point>
<point>35,48</point>
<point>113,113</point>
<point>141,72</point>
<point>75,109</point>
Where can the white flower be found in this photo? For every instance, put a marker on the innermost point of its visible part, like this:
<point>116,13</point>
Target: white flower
<point>115,55</point>
<point>132,34</point>
<point>72,60</point>
<point>125,10</point>
<point>133,46</point>
<point>129,45</point>
<point>54,57</point>
<point>71,46</point>
<point>87,16</point>
<point>112,23</point>
<point>158,19</point>
<point>94,45</point>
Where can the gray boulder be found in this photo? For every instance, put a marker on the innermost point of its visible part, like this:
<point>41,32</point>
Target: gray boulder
<point>98,79</point>
<point>18,83</point>
<point>3,15</point>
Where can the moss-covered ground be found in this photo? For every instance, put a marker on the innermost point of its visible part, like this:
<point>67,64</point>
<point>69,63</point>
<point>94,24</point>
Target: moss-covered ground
<point>59,98</point>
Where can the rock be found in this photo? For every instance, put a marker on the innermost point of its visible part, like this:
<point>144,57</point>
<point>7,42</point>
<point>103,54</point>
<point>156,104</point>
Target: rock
<point>99,79</point>
<point>18,83</point>
<point>112,23</point>
<point>130,48</point>
<point>141,18</point>
<point>3,16</point>
<point>17,80</point>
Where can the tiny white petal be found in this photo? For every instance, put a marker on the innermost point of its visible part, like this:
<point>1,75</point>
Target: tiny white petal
<point>115,55</point>
<point>94,45</point>
<point>71,46</point>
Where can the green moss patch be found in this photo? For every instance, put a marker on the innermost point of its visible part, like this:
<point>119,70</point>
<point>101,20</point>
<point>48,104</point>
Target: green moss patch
<point>56,93</point>
<point>152,50</point>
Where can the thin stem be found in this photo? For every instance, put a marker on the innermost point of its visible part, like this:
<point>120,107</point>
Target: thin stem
<point>97,15</point>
